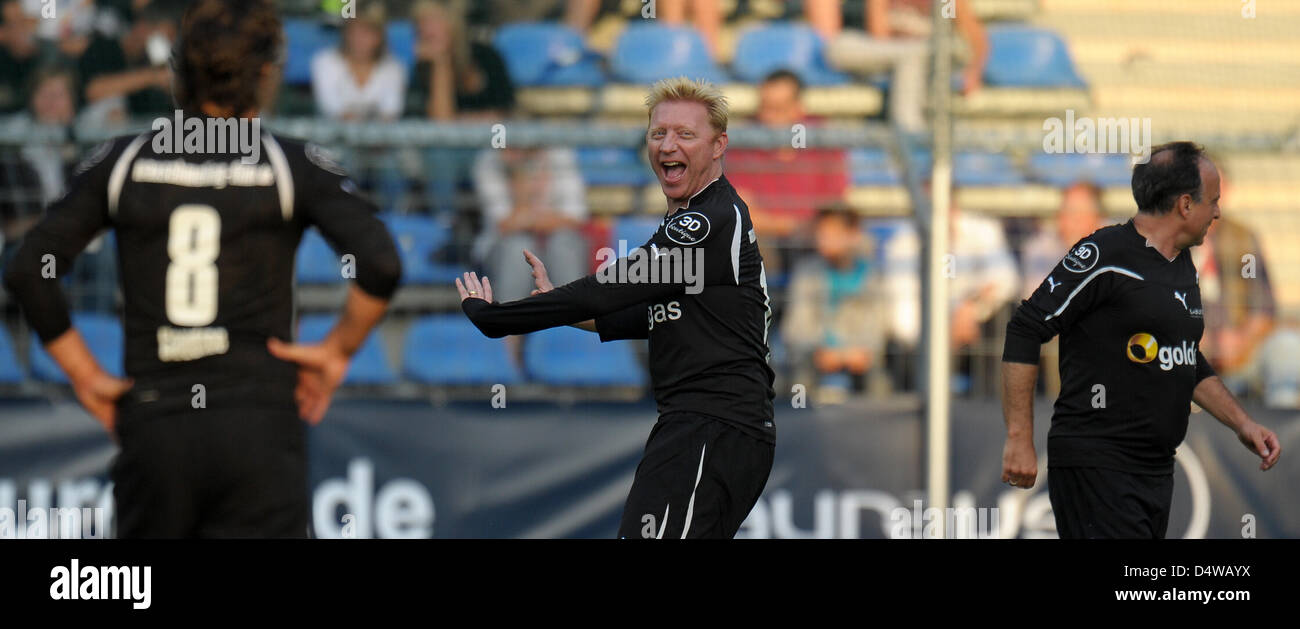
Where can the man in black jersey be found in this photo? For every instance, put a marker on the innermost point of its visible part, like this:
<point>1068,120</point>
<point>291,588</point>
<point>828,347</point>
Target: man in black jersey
<point>1126,304</point>
<point>208,422</point>
<point>696,289</point>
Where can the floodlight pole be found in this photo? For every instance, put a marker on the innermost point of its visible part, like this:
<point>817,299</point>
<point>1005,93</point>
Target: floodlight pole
<point>939,268</point>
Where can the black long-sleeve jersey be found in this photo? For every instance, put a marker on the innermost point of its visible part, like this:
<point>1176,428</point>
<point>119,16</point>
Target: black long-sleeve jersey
<point>206,250</point>
<point>1130,321</point>
<point>697,290</point>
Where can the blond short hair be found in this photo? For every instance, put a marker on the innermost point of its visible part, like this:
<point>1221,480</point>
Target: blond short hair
<point>684,89</point>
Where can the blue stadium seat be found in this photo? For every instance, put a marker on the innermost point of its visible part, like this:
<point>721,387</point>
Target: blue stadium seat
<point>303,39</point>
<point>449,350</point>
<point>316,261</point>
<point>612,166</point>
<point>369,364</point>
<point>788,46</point>
<point>418,239</point>
<point>636,230</point>
<point>873,167</point>
<point>571,357</point>
<point>1062,169</point>
<point>10,371</point>
<point>1025,56</point>
<point>103,334</point>
<point>548,54</point>
<point>648,52</point>
<point>985,169</point>
<point>401,41</point>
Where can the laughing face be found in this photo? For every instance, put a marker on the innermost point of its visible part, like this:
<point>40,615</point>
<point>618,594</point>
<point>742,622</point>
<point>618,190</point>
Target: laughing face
<point>684,150</point>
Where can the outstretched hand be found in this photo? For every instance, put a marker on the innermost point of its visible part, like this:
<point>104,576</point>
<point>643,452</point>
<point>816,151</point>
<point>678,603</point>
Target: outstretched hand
<point>540,278</point>
<point>472,288</point>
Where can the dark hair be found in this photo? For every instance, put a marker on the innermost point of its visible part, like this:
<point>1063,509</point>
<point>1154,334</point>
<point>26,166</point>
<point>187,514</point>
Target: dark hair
<point>1173,170</point>
<point>784,75</point>
<point>223,47</point>
<point>841,212</point>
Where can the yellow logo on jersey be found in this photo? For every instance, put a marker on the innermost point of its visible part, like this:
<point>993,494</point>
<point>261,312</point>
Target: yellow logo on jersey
<point>1142,348</point>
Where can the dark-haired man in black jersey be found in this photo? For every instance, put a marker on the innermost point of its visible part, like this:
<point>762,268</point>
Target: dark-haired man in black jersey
<point>1126,304</point>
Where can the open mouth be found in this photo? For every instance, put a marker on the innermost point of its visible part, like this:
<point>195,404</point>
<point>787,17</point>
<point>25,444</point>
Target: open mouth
<point>673,171</point>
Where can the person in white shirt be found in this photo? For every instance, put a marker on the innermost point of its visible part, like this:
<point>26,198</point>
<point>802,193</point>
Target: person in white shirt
<point>361,79</point>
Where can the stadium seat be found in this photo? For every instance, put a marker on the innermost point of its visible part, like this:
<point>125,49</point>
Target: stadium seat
<point>401,41</point>
<point>568,356</point>
<point>788,46</point>
<point>303,39</point>
<point>648,52</point>
<point>10,371</point>
<point>103,334</point>
<point>985,169</point>
<point>1062,169</point>
<point>612,166</point>
<point>636,230</point>
<point>873,167</point>
<point>1024,56</point>
<point>449,350</point>
<point>370,363</point>
<point>316,261</point>
<point>419,238</point>
<point>545,54</point>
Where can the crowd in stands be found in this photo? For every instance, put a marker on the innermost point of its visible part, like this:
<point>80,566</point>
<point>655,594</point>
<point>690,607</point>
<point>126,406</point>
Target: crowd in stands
<point>848,289</point>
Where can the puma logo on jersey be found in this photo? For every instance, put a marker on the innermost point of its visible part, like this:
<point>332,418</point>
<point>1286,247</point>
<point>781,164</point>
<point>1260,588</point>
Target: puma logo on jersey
<point>1182,299</point>
<point>1052,284</point>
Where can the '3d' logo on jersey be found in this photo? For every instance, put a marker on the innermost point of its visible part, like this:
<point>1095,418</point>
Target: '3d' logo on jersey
<point>1143,348</point>
<point>687,229</point>
<point>1081,258</point>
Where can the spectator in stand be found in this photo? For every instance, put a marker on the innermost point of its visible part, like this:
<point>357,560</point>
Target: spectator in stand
<point>454,77</point>
<point>897,35</point>
<point>785,186</point>
<point>1079,215</point>
<point>36,174</point>
<point>33,175</point>
<point>983,281</point>
<point>360,80</point>
<point>535,200</point>
<point>1237,298</point>
<point>20,55</point>
<point>834,323</point>
<point>129,77</point>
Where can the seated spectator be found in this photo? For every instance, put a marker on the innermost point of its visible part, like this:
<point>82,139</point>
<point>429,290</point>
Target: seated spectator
<point>1237,300</point>
<point>1080,214</point>
<point>531,199</point>
<point>455,78</point>
<point>36,174</point>
<point>20,54</point>
<point>784,186</point>
<point>897,36</point>
<point>983,279</point>
<point>834,323</point>
<point>361,79</point>
<point>129,77</point>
